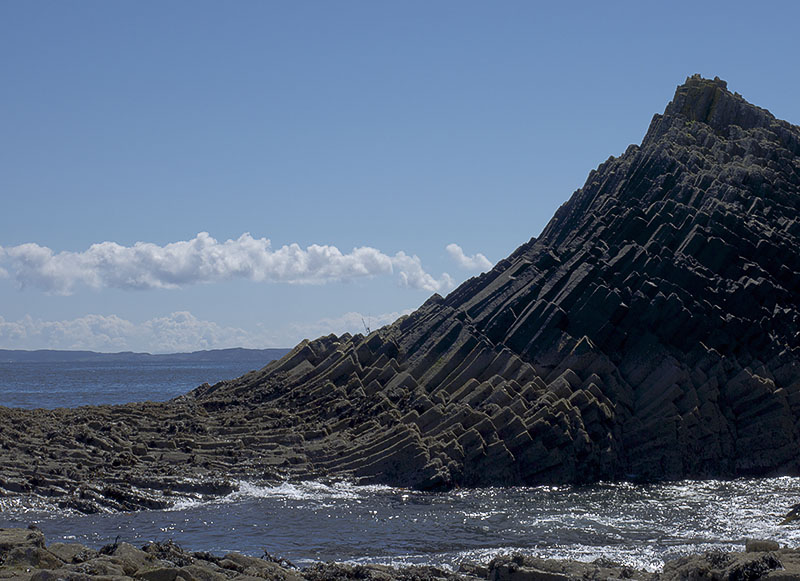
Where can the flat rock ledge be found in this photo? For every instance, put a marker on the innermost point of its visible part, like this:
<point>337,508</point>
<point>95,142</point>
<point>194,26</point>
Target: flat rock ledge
<point>24,556</point>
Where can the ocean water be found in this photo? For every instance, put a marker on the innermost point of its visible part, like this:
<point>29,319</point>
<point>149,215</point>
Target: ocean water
<point>73,384</point>
<point>305,522</point>
<point>639,525</point>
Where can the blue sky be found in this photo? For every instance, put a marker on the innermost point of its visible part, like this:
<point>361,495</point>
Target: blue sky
<point>191,175</point>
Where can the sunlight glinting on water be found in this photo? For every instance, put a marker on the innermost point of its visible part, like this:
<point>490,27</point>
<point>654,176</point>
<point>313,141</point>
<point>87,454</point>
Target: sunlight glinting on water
<point>315,521</point>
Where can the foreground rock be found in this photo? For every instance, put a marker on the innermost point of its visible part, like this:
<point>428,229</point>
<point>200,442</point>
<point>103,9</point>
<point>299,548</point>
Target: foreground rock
<point>650,332</point>
<point>24,556</point>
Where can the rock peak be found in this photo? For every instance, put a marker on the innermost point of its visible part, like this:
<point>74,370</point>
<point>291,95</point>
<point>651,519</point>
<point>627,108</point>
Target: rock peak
<point>709,101</point>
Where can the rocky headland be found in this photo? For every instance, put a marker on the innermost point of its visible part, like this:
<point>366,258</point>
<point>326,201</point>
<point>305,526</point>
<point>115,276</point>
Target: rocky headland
<point>652,331</point>
<point>24,556</point>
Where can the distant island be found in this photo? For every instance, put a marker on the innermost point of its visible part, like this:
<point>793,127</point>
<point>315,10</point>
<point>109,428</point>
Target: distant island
<point>211,355</point>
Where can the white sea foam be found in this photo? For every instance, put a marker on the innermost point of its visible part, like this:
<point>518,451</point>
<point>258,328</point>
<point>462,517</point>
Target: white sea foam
<point>30,505</point>
<point>187,503</point>
<point>310,490</point>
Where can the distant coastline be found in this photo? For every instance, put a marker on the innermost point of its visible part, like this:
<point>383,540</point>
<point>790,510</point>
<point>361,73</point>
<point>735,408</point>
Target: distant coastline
<point>59,356</point>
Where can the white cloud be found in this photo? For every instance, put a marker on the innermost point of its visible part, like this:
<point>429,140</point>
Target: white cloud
<point>412,274</point>
<point>95,332</point>
<point>177,332</point>
<point>475,262</point>
<point>181,331</point>
<point>203,260</point>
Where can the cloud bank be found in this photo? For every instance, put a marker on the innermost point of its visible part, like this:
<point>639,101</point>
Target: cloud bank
<point>179,331</point>
<point>174,333</point>
<point>475,262</point>
<point>204,260</point>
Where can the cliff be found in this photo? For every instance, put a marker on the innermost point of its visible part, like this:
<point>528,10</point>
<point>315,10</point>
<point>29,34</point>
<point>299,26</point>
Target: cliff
<point>650,331</point>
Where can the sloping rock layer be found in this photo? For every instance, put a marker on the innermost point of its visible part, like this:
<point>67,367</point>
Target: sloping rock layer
<point>651,331</point>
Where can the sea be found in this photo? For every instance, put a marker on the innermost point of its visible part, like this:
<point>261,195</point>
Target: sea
<point>306,522</point>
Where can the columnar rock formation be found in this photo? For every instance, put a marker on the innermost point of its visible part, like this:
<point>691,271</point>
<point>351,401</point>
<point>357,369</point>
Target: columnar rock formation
<point>651,331</point>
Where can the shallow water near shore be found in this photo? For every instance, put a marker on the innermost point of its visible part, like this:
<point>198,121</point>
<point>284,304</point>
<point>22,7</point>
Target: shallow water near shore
<point>633,524</point>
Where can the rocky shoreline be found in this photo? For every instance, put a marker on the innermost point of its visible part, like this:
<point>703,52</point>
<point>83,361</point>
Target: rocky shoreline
<point>148,455</point>
<point>25,556</point>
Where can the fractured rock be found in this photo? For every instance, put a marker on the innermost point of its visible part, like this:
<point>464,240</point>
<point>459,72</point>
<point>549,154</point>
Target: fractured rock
<point>652,330</point>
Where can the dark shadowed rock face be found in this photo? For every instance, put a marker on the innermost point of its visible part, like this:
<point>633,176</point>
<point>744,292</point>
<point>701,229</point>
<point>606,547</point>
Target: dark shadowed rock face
<point>651,331</point>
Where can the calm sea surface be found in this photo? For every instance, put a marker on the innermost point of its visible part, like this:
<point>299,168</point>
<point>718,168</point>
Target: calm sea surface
<point>73,384</point>
<point>314,521</point>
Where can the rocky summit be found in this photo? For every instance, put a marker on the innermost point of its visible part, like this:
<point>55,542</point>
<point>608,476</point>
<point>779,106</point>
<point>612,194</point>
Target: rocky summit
<point>651,331</point>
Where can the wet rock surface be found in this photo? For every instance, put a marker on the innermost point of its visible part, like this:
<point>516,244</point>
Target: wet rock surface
<point>24,556</point>
<point>651,331</point>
